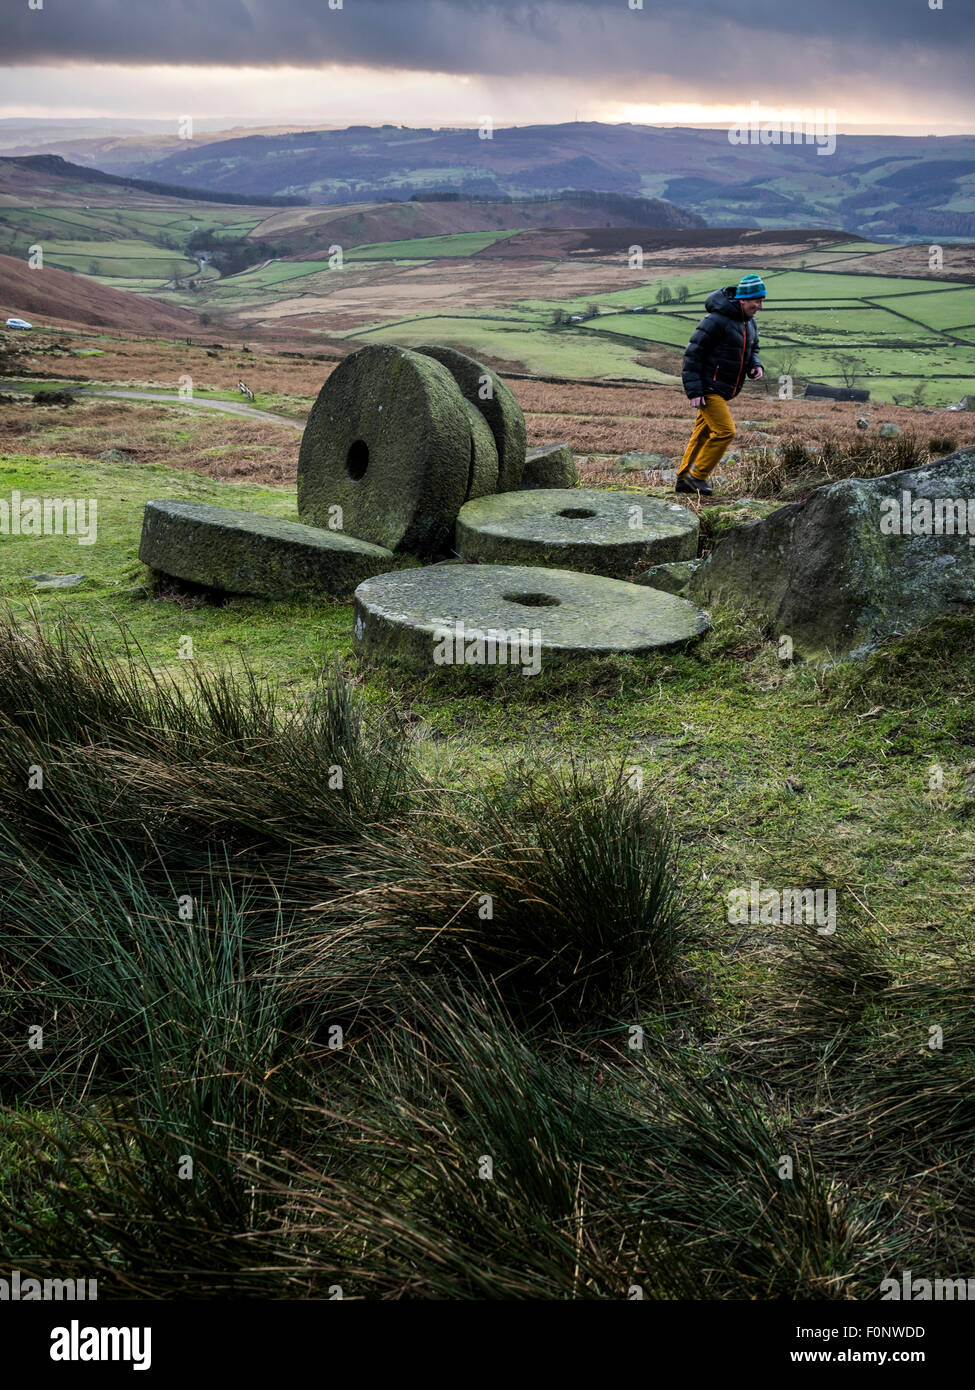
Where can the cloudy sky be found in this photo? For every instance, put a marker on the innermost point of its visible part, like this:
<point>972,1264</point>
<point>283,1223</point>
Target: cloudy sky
<point>877,63</point>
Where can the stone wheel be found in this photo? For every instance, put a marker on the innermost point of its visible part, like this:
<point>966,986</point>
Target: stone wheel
<point>432,617</point>
<point>389,442</point>
<point>244,553</point>
<point>501,411</point>
<point>609,533</point>
<point>482,478</point>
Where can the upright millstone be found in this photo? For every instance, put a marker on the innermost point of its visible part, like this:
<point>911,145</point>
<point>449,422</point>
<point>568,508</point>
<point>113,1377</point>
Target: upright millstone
<point>388,442</point>
<point>486,391</point>
<point>482,480</point>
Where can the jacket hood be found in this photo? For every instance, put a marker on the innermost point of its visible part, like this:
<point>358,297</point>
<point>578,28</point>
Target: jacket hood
<point>723,302</point>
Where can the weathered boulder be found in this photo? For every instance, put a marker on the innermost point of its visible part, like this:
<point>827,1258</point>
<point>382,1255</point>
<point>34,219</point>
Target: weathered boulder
<point>590,529</point>
<point>550,465</point>
<point>486,391</point>
<point>243,553</point>
<point>672,579</point>
<point>639,461</point>
<point>388,441</point>
<point>500,616</point>
<point>889,431</point>
<point>58,581</point>
<point>817,390</point>
<point>856,562</point>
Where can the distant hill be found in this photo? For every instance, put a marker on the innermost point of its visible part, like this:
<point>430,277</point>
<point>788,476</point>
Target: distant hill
<point>42,168</point>
<point>304,229</point>
<point>73,299</point>
<point>872,185</point>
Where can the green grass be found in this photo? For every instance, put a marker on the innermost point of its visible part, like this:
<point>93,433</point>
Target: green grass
<point>231,633</point>
<point>431,247</point>
<point>561,352</point>
<point>464,1036</point>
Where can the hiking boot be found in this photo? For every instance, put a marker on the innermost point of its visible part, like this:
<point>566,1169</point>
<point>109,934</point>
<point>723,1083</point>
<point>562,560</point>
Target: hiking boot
<point>687,483</point>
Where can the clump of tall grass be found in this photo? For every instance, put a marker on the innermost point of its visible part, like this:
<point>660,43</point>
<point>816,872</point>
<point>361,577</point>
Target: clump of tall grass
<point>561,888</point>
<point>793,469</point>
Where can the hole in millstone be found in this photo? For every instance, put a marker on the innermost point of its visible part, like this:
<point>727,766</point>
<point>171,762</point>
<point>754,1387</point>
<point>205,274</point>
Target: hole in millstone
<point>357,459</point>
<point>533,600</point>
<point>576,512</point>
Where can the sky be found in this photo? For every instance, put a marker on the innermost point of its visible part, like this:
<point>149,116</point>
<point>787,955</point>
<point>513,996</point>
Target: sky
<point>877,64</point>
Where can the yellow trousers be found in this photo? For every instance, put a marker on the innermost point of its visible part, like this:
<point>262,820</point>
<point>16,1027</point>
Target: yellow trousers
<point>714,430</point>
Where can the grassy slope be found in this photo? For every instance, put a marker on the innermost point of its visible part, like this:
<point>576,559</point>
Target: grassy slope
<point>766,775</point>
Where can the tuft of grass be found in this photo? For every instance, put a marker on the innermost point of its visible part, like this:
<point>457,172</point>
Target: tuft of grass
<point>560,885</point>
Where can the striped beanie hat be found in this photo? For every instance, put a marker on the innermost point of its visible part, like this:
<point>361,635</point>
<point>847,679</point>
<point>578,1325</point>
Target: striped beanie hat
<point>751,287</point>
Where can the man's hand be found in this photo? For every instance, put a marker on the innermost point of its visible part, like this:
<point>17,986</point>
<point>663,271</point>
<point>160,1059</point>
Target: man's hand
<point>697,402</point>
<point>757,373</point>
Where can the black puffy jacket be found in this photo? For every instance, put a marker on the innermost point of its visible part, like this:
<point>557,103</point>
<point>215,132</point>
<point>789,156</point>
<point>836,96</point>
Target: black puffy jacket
<point>723,349</point>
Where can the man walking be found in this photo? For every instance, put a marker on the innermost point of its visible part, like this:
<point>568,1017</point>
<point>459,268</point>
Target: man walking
<point>721,353</point>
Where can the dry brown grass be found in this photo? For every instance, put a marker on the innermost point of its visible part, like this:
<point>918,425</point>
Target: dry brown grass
<point>599,422</point>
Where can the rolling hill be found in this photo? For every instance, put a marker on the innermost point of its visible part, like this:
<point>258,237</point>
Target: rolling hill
<point>872,185</point>
<point>63,298</point>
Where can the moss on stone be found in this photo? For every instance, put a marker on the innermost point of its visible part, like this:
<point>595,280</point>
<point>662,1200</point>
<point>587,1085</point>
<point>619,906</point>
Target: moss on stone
<point>409,617</point>
<point>608,533</point>
<point>389,442</point>
<point>500,409</point>
<point>483,474</point>
<point>550,465</point>
<point>243,553</point>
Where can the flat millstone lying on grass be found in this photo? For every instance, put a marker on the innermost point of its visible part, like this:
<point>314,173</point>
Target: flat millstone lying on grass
<point>243,553</point>
<point>389,442</point>
<point>589,529</point>
<point>445,614</point>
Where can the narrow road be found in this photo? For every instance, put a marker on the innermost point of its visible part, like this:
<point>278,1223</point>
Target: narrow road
<point>228,407</point>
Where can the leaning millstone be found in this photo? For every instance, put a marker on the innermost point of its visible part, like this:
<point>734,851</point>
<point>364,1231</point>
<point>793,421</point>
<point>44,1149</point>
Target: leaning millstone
<point>591,529</point>
<point>482,477</point>
<point>637,461</point>
<point>512,615</point>
<point>672,578</point>
<point>551,465</point>
<point>244,553</point>
<point>388,443</point>
<point>857,562</point>
<point>487,392</point>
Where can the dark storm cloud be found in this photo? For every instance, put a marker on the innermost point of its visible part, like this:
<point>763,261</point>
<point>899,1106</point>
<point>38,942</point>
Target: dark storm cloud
<point>882,41</point>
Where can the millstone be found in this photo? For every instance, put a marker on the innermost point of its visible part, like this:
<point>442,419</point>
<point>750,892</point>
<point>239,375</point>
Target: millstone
<point>389,442</point>
<point>550,465</point>
<point>501,410</point>
<point>522,616</point>
<point>482,478</point>
<point>608,533</point>
<point>243,553</point>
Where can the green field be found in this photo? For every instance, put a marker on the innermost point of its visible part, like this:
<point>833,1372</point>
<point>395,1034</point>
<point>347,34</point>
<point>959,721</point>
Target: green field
<point>560,352</point>
<point>897,331</point>
<point>431,247</point>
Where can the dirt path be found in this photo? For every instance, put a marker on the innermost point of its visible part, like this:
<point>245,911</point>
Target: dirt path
<point>228,407</point>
